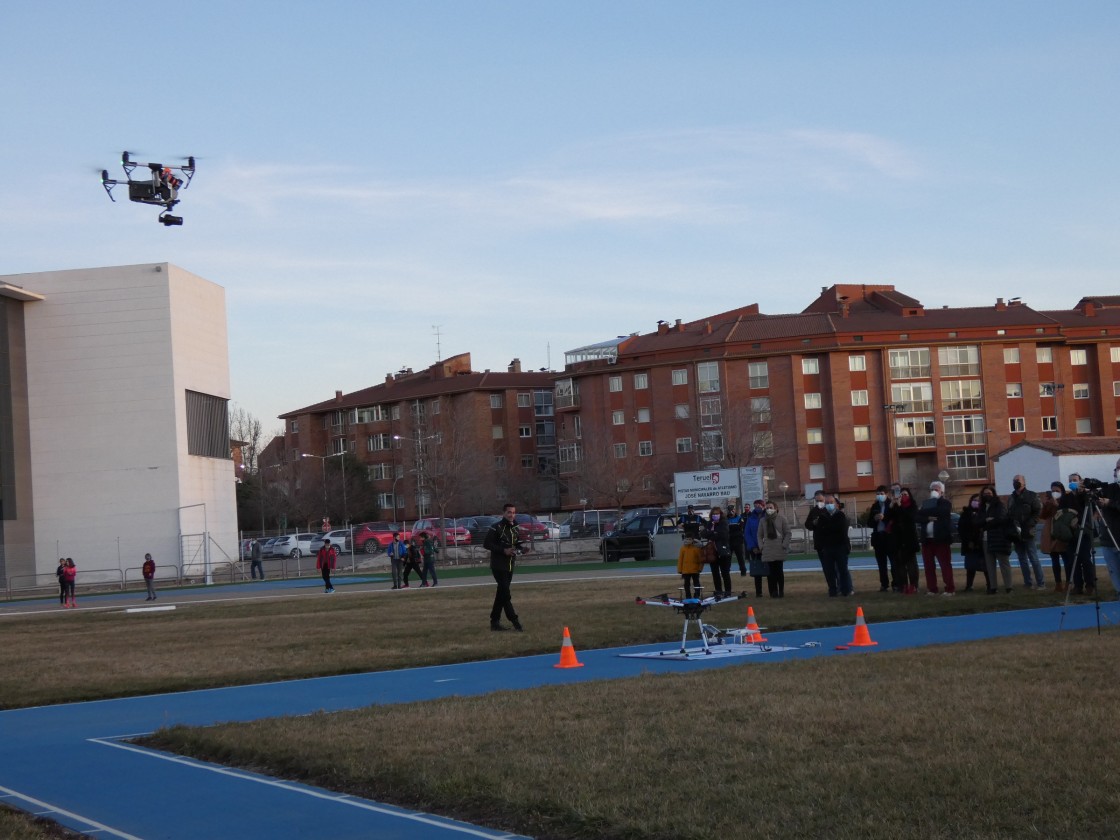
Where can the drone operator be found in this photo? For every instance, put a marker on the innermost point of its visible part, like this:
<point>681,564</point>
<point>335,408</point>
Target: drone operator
<point>505,546</point>
<point>1078,555</point>
<point>1109,506</point>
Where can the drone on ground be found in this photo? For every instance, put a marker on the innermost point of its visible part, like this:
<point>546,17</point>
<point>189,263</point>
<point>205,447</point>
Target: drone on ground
<point>161,187</point>
<point>693,609</point>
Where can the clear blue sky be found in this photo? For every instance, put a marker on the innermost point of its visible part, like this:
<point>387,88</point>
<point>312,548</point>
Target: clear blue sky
<point>531,177</point>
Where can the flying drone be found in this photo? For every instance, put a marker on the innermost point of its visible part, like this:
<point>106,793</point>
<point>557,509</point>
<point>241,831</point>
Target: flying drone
<point>160,187</point>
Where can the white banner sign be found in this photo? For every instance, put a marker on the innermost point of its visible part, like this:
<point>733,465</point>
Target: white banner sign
<point>711,487</point>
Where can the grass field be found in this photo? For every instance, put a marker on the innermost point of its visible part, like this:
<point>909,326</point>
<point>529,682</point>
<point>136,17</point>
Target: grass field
<point>1006,738</point>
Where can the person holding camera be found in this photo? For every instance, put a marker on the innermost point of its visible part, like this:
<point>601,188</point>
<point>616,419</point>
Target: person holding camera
<point>504,545</point>
<point>1023,511</point>
<point>1109,504</point>
<point>1079,554</point>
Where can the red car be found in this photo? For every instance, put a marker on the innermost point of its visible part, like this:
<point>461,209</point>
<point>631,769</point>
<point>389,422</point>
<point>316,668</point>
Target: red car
<point>530,528</point>
<point>373,537</point>
<point>443,531</point>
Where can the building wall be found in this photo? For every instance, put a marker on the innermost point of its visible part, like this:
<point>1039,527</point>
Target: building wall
<point>109,354</point>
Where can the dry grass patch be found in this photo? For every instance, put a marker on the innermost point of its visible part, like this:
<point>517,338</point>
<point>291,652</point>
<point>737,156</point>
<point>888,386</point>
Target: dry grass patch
<point>1006,738</point>
<point>18,825</point>
<point>113,654</point>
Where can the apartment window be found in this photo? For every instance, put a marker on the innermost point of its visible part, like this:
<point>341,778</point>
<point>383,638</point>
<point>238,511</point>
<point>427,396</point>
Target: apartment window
<point>810,367</point>
<point>614,383</point>
<point>762,444</point>
<point>1043,355</point>
<point>293,427</point>
<point>861,433</point>
<point>760,409</point>
<point>959,361</point>
<point>1079,356</point>
<point>543,403</point>
<point>960,396</point>
<point>758,374</point>
<point>1081,391</point>
<point>525,431</point>
<point>1084,426</point>
<point>707,377</point>
<point>569,453</point>
<point>395,413</point>
<point>1116,388</point>
<point>385,501</point>
<point>680,376</point>
<point>497,432</point>
<point>524,400</point>
<point>814,436</point>
<point>816,472</point>
<point>812,401</point>
<point>620,450</point>
<point>711,446</point>
<point>964,431</point>
<point>1046,389</point>
<point>909,364</point>
<point>1114,354</point>
<point>545,432</point>
<point>376,443</point>
<point>1050,424</point>
<point>863,468</point>
<point>643,415</point>
<point>914,432</point>
<point>1016,424</point>
<point>914,397</point>
<point>435,406</point>
<point>859,397</point>
<point>618,418</point>
<point>1011,355</point>
<point>641,381</point>
<point>645,448</point>
<point>1014,390</point>
<point>857,363</point>
<point>684,445</point>
<point>565,392</point>
<point>375,472</point>
<point>526,462</point>
<point>577,426</point>
<point>711,411</point>
<point>499,462</point>
<point>681,411</point>
<point>495,400</point>
<point>966,464</point>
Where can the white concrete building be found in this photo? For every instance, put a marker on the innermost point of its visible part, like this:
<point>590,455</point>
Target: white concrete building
<point>114,437</point>
<point>1044,461</point>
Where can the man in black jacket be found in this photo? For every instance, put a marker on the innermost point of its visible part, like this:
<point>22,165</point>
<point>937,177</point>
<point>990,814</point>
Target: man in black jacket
<point>1023,509</point>
<point>1109,527</point>
<point>504,546</point>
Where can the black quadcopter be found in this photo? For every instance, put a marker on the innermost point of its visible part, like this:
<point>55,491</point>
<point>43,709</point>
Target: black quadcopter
<point>161,188</point>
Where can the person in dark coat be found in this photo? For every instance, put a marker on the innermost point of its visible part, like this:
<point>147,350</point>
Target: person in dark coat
<point>935,525</point>
<point>718,534</point>
<point>971,530</point>
<point>735,523</point>
<point>758,567</point>
<point>879,524</point>
<point>833,546</point>
<point>904,533</point>
<point>774,536</point>
<point>997,547</point>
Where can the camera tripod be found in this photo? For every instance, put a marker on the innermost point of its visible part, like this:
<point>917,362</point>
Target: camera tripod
<point>1092,509</point>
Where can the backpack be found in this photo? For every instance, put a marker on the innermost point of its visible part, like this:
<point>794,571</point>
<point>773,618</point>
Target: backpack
<point>1061,529</point>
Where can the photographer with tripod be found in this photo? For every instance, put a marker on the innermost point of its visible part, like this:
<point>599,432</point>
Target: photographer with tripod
<point>1078,555</point>
<point>1109,506</point>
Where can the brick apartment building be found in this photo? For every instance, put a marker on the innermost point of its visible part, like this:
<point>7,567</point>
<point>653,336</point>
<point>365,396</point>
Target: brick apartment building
<point>865,385</point>
<point>447,439</point>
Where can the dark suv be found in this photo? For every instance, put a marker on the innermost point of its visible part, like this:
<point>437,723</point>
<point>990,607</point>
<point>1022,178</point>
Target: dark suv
<point>633,538</point>
<point>591,523</point>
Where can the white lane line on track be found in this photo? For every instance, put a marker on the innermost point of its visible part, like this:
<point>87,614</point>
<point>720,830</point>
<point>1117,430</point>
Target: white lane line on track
<point>54,812</point>
<point>338,798</point>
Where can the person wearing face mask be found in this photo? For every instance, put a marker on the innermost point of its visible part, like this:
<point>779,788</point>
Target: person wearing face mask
<point>735,522</point>
<point>833,547</point>
<point>971,530</point>
<point>935,524</point>
<point>1049,543</point>
<point>1109,505</point>
<point>812,524</point>
<point>881,540</point>
<point>1078,556</point>
<point>904,530</point>
<point>750,532</point>
<point>774,535</point>
<point>1023,509</point>
<point>718,534</point>
<point>997,547</point>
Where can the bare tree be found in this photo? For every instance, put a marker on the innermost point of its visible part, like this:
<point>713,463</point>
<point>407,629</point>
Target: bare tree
<point>613,475</point>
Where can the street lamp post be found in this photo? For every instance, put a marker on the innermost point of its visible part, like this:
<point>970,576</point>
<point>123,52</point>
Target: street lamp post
<point>419,471</point>
<point>345,505</point>
<point>323,461</point>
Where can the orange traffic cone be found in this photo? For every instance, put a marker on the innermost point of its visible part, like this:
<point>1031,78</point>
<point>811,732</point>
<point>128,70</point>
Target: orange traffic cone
<point>754,633</point>
<point>862,638</point>
<point>568,653</point>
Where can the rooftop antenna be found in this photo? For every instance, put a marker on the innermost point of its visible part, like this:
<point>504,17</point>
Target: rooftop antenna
<point>548,353</point>
<point>435,330</point>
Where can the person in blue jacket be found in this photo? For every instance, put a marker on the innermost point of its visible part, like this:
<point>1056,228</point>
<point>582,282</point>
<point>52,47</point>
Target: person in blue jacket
<point>397,551</point>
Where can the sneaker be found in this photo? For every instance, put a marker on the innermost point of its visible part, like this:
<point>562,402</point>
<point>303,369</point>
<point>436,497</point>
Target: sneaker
<point>931,592</point>
<point>495,625</point>
<point>949,594</point>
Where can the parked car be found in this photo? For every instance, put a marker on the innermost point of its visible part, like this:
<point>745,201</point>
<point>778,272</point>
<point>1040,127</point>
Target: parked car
<point>340,539</point>
<point>374,537</point>
<point>552,528</point>
<point>529,527</point>
<point>443,531</point>
<point>633,538</point>
<point>478,526</point>
<point>266,546</point>
<point>292,545</point>
<point>642,511</point>
<point>591,523</point>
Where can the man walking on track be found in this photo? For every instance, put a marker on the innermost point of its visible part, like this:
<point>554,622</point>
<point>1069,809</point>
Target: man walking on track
<point>325,561</point>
